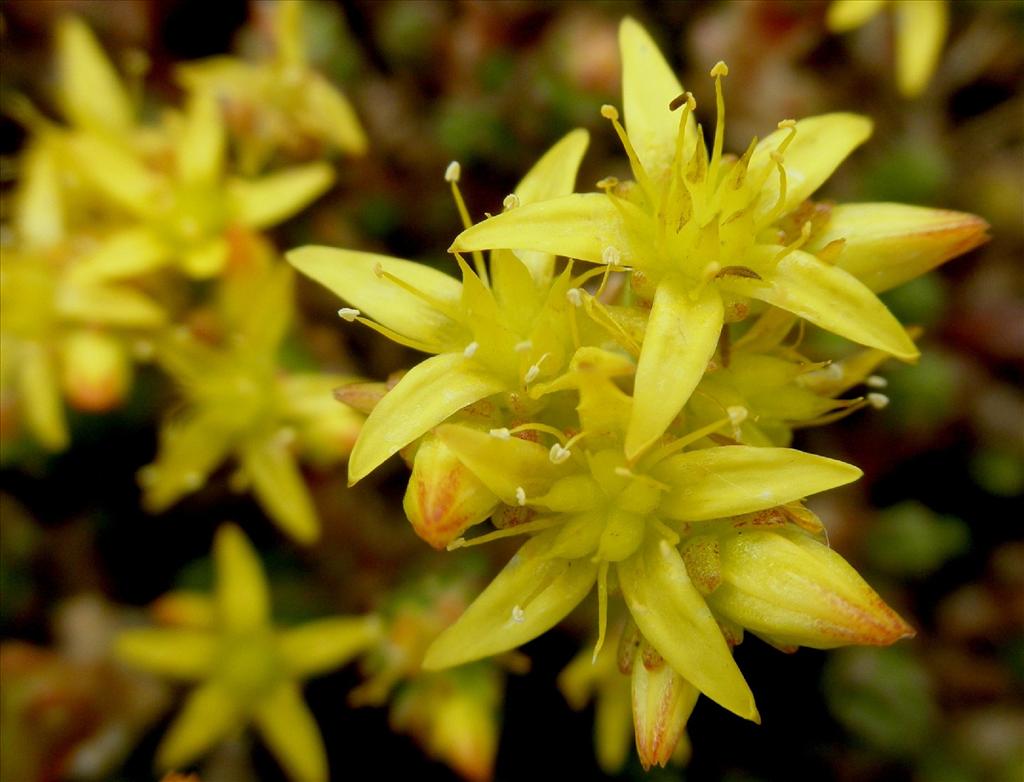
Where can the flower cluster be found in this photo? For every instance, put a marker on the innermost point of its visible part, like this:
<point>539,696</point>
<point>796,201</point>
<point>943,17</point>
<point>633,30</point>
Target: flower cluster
<point>617,377</point>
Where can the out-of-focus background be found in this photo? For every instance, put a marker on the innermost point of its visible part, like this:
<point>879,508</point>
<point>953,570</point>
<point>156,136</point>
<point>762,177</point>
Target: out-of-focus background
<point>935,524</point>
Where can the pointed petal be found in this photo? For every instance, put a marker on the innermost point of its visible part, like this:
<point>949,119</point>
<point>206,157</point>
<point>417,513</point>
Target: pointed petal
<point>200,146</point>
<point>39,393</point>
<point>821,144</point>
<point>828,297</point>
<point>503,465</point>
<point>320,646</point>
<point>578,226</point>
<point>352,276</point>
<point>129,252</point>
<point>39,207</point>
<point>91,94</point>
<point>263,202</point>
<point>845,15</point>
<point>116,173</point>
<point>729,480</point>
<point>429,393</point>
<point>681,338</point>
<point>921,28</point>
<point>243,600</point>
<point>177,653</point>
<point>528,597</point>
<point>648,86</point>
<point>279,486</point>
<point>210,715</point>
<point>326,108</point>
<point>889,244</point>
<point>674,618</point>
<point>291,733</point>
<point>109,305</point>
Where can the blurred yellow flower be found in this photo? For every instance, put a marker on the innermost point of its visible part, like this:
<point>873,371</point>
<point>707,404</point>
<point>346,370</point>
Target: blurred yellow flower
<point>248,670</point>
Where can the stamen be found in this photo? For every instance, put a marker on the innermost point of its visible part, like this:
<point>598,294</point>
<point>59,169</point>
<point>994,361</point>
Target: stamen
<point>556,433</point>
<point>452,175</point>
<point>534,371</point>
<point>520,496</point>
<point>608,183</point>
<point>349,314</point>
<point>602,607</point>
<point>443,307</point>
<point>689,103</point>
<point>524,347</point>
<point>667,532</point>
<point>511,201</point>
<point>453,172</point>
<point>573,295</point>
<point>518,614</point>
<point>876,381</point>
<point>519,529</point>
<point>558,454</point>
<point>609,112</point>
<point>625,472</point>
<point>611,256</point>
<point>502,434</point>
<point>394,336</point>
<point>471,349</point>
<point>720,70</point>
<point>878,401</point>
<point>805,234</point>
<point>698,434</point>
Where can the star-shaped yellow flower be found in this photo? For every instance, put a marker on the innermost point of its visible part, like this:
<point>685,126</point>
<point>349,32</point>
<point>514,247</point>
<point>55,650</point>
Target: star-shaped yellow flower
<point>248,670</point>
<point>499,331</point>
<point>707,233</point>
<point>921,27</point>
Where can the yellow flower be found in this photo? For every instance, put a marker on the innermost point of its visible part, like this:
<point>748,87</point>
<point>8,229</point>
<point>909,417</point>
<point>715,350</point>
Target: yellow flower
<point>921,27</point>
<point>248,670</point>
<point>497,332</point>
<point>184,210</point>
<point>596,511</point>
<point>237,402</point>
<point>278,102</point>
<point>702,233</point>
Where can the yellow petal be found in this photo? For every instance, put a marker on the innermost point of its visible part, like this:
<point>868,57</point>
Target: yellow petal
<point>116,173</point>
<point>786,585</point>
<point>353,276</point>
<point>502,464</point>
<point>291,733</point>
<point>243,600</point>
<point>259,307</point>
<point>96,370</point>
<point>674,618</point>
<point>289,35</point>
<point>39,208</point>
<point>200,146</point>
<point>845,15</point>
<point>552,176</point>
<point>109,305</point>
<point>578,226</point>
<point>209,716</point>
<point>325,108</point>
<point>91,94</point>
<point>264,202</point>
<point>828,297</point>
<point>429,393</point>
<point>889,244</point>
<point>320,646</point>
<point>682,335</point>
<point>648,86</point>
<point>279,486</point>
<point>921,27</point>
<point>662,703</point>
<point>729,480</point>
<point>128,252</point>
<point>39,393</point>
<point>821,144</point>
<point>177,653</point>
<point>528,597</point>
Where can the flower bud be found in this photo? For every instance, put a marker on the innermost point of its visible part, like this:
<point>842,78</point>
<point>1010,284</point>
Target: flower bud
<point>662,703</point>
<point>96,371</point>
<point>784,585</point>
<point>443,498</point>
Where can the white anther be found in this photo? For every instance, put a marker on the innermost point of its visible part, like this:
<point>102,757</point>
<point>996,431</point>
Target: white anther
<point>511,201</point>
<point>611,255</point>
<point>624,472</point>
<point>531,373</point>
<point>285,436</point>
<point>737,414</point>
<point>558,454</point>
<point>470,350</point>
<point>453,172</point>
<point>834,371</point>
<point>524,347</point>
<point>878,401</point>
<point>349,313</point>
<point>520,495</point>
<point>876,381</point>
<point>518,614</point>
<point>502,433</point>
<point>574,297</point>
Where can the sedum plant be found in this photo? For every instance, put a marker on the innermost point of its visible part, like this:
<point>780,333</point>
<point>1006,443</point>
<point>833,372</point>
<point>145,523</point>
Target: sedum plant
<point>628,410</point>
